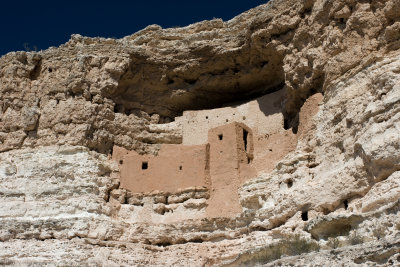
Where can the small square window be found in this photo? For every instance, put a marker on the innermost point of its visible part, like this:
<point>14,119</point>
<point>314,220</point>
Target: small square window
<point>180,167</point>
<point>220,136</point>
<point>145,165</point>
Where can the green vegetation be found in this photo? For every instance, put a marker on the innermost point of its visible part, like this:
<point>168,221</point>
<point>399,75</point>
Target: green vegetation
<point>28,49</point>
<point>293,245</point>
<point>297,245</point>
<point>355,239</point>
<point>379,232</point>
<point>333,242</point>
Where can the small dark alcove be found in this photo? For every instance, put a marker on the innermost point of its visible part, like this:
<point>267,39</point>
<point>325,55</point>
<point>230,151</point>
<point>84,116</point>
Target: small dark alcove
<point>304,215</point>
<point>145,165</point>
<point>245,135</point>
<point>346,204</point>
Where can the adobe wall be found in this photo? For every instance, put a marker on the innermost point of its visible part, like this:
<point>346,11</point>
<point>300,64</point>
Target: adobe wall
<point>230,166</point>
<point>263,115</point>
<point>222,165</point>
<point>270,149</point>
<point>176,167</point>
<point>307,112</point>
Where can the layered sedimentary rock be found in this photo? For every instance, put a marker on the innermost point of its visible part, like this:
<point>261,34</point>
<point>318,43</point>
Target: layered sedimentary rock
<point>326,151</point>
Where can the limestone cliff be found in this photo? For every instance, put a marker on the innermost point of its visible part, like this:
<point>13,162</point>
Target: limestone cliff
<point>328,182</point>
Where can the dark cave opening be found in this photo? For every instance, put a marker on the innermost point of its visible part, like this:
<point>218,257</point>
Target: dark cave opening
<point>346,204</point>
<point>304,215</point>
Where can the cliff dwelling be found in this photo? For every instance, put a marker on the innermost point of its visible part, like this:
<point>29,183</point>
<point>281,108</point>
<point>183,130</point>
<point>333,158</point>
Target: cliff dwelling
<point>221,149</point>
<point>220,165</point>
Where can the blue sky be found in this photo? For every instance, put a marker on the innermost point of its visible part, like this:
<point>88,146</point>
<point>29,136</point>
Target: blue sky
<point>41,24</point>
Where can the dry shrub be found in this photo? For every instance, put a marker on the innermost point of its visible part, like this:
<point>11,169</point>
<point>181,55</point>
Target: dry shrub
<point>355,239</point>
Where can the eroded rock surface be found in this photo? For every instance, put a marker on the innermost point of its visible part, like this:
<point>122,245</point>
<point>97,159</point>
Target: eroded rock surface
<point>335,187</point>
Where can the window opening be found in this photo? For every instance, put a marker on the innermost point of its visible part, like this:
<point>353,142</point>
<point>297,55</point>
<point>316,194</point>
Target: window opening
<point>220,136</point>
<point>286,125</point>
<point>245,135</point>
<point>145,165</point>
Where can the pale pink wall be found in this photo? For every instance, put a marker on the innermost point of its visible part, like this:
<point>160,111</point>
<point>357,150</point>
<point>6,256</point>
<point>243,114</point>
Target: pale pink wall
<point>175,167</point>
<point>222,165</point>
<point>229,167</point>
